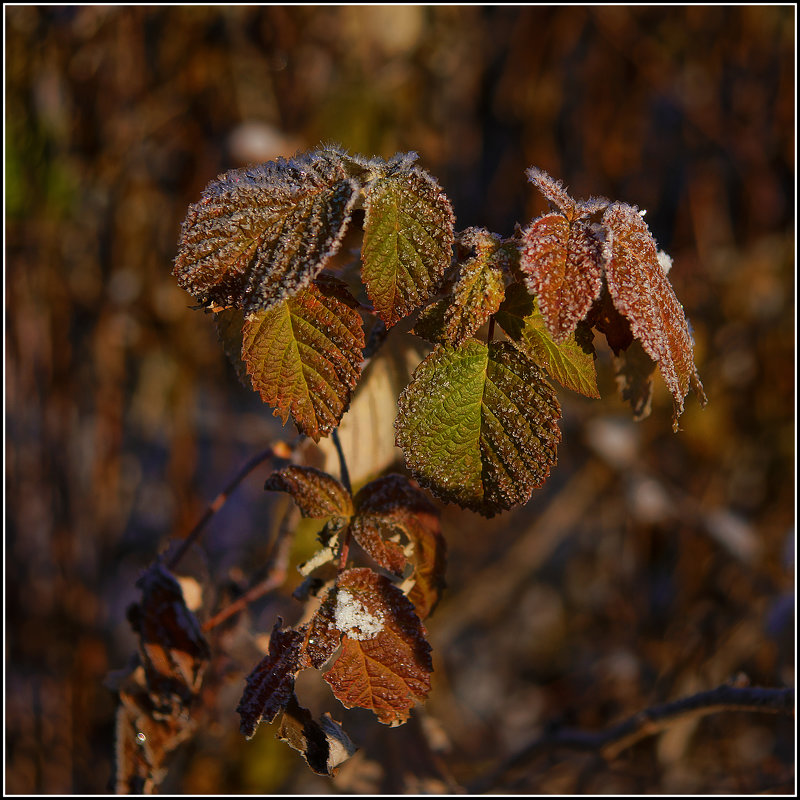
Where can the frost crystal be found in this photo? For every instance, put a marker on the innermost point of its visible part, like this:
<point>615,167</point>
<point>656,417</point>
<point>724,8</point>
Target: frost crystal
<point>353,619</point>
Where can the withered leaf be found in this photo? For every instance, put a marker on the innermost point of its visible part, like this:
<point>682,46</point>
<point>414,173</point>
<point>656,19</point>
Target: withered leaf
<point>385,663</point>
<point>261,234</point>
<point>304,356</point>
<point>322,637</point>
<point>568,362</point>
<point>561,262</point>
<point>391,505</point>
<point>553,190</point>
<point>172,648</point>
<point>476,294</point>
<point>478,425</point>
<point>408,237</point>
<point>324,744</point>
<point>271,683</point>
<point>316,493</point>
<point>643,294</point>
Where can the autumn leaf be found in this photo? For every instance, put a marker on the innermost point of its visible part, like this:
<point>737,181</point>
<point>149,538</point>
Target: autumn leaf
<point>389,506</point>
<point>304,356</point>
<point>260,235</point>
<point>316,493</point>
<point>567,362</point>
<point>641,292</point>
<point>408,236</point>
<point>477,425</point>
<point>172,648</point>
<point>271,683</point>
<point>561,263</point>
<point>385,663</point>
<point>476,294</point>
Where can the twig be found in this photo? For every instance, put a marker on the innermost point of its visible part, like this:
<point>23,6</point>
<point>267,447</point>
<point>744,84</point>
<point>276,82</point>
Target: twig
<point>218,502</point>
<point>344,473</point>
<point>611,742</point>
<point>275,577</point>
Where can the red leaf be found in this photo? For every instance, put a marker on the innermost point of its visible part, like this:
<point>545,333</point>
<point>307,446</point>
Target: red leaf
<point>642,292</point>
<point>385,663</point>
<point>316,493</point>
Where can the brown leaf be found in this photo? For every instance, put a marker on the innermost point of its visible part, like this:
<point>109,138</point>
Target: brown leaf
<point>271,683</point>
<point>324,744</point>
<point>385,663</point>
<point>553,190</point>
<point>172,648</point>
<point>322,637</point>
<point>635,379</point>
<point>561,263</point>
<point>391,505</point>
<point>304,355</point>
<point>642,292</point>
<point>316,493</point>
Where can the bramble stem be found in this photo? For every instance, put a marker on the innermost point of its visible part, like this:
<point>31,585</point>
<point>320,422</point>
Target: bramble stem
<point>217,504</point>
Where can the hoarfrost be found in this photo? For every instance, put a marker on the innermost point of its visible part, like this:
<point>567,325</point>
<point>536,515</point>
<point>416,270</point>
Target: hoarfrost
<point>353,618</point>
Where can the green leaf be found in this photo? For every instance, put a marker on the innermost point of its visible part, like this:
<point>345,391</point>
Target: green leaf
<point>476,295</point>
<point>260,235</point>
<point>408,236</point>
<point>568,363</point>
<point>477,425</point>
<point>641,291</point>
<point>316,493</point>
<point>304,356</point>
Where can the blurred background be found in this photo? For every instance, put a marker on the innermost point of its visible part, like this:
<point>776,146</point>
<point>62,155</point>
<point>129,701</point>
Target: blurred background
<point>649,567</point>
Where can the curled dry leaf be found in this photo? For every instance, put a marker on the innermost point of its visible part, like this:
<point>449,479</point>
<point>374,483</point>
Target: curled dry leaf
<point>316,493</point>
<point>172,648</point>
<point>270,685</point>
<point>642,293</point>
<point>385,663</point>
<point>260,235</point>
<point>304,356</point>
<point>478,425</point>
<point>408,237</point>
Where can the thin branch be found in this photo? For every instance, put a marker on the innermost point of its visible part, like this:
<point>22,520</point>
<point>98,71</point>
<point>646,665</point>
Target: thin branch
<point>344,473</point>
<point>611,742</point>
<point>220,501</point>
<point>275,577</point>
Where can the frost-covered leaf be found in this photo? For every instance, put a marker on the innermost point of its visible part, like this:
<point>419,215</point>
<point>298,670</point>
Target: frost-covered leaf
<point>316,493</point>
<point>478,425</point>
<point>324,744</point>
<point>322,637</point>
<point>391,505</point>
<point>385,663</point>
<point>271,683</point>
<point>643,294</point>
<point>408,236</point>
<point>304,356</point>
<point>568,362</point>
<point>561,263</point>
<point>476,295</point>
<point>634,376</point>
<point>261,234</point>
<point>172,648</point>
<point>553,190</point>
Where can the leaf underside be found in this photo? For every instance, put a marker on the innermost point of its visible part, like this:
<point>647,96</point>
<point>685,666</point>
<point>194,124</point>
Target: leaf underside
<point>259,235</point>
<point>478,425</point>
<point>408,236</point>
<point>561,263</point>
<point>642,293</point>
<point>304,356</point>
<point>568,362</point>
<point>385,669</point>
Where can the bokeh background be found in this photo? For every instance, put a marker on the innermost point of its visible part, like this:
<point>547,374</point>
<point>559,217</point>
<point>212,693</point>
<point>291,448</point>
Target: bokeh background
<point>650,566</point>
